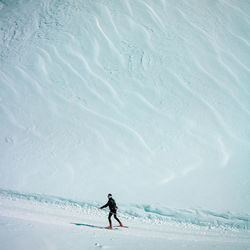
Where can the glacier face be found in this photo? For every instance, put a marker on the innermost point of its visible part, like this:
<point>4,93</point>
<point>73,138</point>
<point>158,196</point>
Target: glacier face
<point>149,100</point>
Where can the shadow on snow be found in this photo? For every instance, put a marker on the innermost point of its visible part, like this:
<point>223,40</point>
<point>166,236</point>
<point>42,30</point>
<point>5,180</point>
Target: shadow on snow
<point>88,225</point>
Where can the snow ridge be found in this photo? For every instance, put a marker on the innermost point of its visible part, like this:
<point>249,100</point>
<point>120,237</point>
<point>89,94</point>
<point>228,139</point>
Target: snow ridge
<point>147,213</point>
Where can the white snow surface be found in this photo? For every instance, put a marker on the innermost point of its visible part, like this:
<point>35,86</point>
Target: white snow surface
<point>30,221</point>
<point>146,99</point>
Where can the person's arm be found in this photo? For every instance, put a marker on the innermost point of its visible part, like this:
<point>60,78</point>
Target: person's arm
<point>104,205</point>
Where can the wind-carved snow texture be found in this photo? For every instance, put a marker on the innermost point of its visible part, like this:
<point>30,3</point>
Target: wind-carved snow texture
<point>149,100</point>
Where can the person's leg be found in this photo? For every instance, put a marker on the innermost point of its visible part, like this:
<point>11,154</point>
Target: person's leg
<point>110,222</point>
<point>117,219</point>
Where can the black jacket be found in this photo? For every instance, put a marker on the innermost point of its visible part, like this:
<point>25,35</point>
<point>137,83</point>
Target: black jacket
<point>111,204</point>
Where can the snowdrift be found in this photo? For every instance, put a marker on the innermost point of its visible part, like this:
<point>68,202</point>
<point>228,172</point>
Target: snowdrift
<point>145,213</point>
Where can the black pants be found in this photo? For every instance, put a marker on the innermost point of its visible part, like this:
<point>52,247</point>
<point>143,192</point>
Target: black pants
<point>113,213</point>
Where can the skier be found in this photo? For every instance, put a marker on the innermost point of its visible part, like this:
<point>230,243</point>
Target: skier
<point>113,208</point>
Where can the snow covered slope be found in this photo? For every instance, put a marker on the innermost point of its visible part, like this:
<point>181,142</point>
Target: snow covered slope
<point>46,222</point>
<point>149,100</point>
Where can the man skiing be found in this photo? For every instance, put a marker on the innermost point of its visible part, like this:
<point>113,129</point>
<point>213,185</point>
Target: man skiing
<point>113,208</point>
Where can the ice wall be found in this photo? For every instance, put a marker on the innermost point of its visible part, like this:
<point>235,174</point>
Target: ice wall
<point>149,100</point>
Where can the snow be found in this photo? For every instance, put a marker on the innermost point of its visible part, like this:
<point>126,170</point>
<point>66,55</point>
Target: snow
<point>43,222</point>
<point>147,100</point>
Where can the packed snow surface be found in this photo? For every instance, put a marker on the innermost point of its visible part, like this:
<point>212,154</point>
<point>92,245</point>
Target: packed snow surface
<point>146,99</point>
<point>31,221</point>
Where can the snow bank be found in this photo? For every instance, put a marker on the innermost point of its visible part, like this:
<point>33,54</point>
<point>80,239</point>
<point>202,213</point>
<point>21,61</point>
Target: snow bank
<point>32,221</point>
<point>146,213</point>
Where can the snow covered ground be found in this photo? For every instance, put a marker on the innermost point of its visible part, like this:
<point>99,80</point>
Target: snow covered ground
<point>43,222</point>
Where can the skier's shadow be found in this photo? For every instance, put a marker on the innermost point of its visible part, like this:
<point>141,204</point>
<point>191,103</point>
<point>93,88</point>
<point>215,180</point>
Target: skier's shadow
<point>87,225</point>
